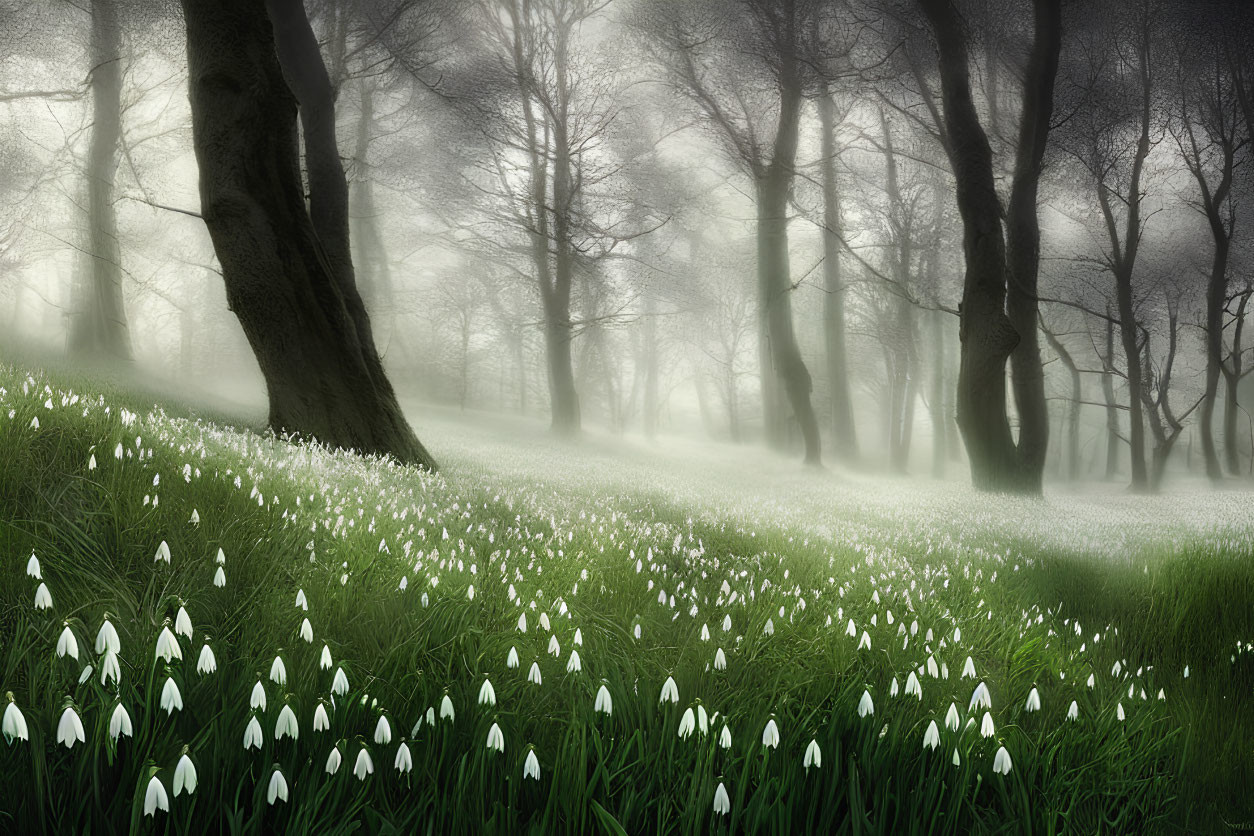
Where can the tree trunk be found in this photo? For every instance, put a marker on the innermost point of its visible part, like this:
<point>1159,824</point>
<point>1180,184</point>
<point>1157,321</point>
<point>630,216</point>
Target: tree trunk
<point>1023,242</point>
<point>293,295</point>
<point>374,278</point>
<point>1072,445</point>
<point>1108,393</point>
<point>650,365</point>
<point>988,335</point>
<point>937,399</point>
<point>1216,293</point>
<point>99,328</point>
<point>844,433</point>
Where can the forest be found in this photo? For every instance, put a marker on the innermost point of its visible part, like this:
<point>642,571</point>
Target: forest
<point>815,362</point>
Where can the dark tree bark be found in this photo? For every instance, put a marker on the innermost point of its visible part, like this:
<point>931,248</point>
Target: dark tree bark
<point>994,327</point>
<point>1234,372</point>
<point>844,432</point>
<point>99,327</point>
<point>292,291</point>
<point>937,400</point>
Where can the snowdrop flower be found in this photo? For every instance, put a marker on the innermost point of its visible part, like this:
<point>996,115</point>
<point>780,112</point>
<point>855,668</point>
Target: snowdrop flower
<point>219,578</point>
<point>120,723</point>
<point>306,631</point>
<point>511,660</point>
<point>168,646</point>
<point>221,558</point>
<point>724,737</point>
<point>277,790</point>
<point>687,724</point>
<point>195,517</point>
<point>257,699</point>
<point>184,775</point>
<point>333,760</point>
<point>522,623</point>
<point>1186,671</point>
<point>705,632</point>
<point>67,644</point>
<point>554,647</point>
<point>155,797</point>
<point>957,761</point>
<point>321,722</point>
<point>364,765</point>
<point>252,734</point>
<point>544,621</point>
<point>107,638</point>
<point>865,641</point>
<point>496,740</point>
<point>894,688</point>
<point>813,756</point>
<point>531,766</point>
<point>951,718</point>
<point>324,662</point>
<point>163,553</point>
<point>1092,681</point>
<point>986,725</point>
<point>931,737</point>
<point>770,734</point>
<point>1119,712</point>
<point>182,623</point>
<point>32,568</point>
<point>604,704</point>
<point>769,629</point>
<point>446,708</point>
<point>301,601</point>
<point>968,669</point>
<point>278,672</point>
<point>13,725</point>
<point>339,684</point>
<point>1034,700</point>
<point>404,760</point>
<point>43,598</point>
<point>533,675</point>
<point>720,660</point>
<point>207,663</point>
<point>574,665</point>
<point>865,705</point>
<point>980,698</point>
<point>286,724</point>
<point>487,694</point>
<point>1073,712</point>
<point>70,728</point>
<point>913,687</point>
<point>171,699</point>
<point>1001,761</point>
<point>578,640</point>
<point>383,731</point>
<point>703,719</point>
<point>670,691</point>
<point>722,804</point>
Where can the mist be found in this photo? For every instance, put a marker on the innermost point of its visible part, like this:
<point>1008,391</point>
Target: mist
<point>878,294</point>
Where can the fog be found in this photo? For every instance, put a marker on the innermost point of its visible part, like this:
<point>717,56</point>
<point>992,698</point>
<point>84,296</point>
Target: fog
<point>655,220</point>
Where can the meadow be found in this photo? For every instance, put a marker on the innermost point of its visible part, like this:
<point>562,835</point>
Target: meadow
<point>208,629</point>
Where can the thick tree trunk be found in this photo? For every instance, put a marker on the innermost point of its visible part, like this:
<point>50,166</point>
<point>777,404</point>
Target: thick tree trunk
<point>988,335</point>
<point>844,433</point>
<point>99,327</point>
<point>1023,242</point>
<point>1132,356</point>
<point>293,295</point>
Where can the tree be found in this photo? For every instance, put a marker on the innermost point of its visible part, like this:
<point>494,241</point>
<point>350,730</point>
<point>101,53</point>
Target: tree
<point>99,326</point>
<point>999,301</point>
<point>746,67</point>
<point>286,267</point>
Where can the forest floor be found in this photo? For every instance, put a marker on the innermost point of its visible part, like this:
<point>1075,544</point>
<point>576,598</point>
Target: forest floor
<point>679,637</point>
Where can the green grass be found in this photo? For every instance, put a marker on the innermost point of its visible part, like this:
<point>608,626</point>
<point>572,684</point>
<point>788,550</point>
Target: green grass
<point>1165,582</point>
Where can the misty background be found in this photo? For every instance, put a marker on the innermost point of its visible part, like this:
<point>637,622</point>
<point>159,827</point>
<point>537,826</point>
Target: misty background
<point>561,210</point>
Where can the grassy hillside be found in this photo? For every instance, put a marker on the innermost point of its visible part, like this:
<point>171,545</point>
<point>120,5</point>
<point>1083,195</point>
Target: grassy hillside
<point>797,613</point>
